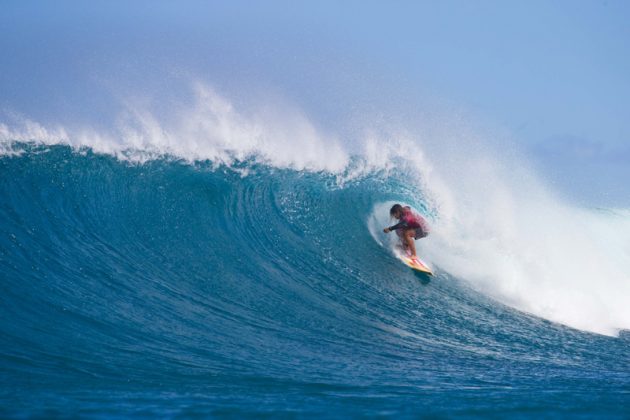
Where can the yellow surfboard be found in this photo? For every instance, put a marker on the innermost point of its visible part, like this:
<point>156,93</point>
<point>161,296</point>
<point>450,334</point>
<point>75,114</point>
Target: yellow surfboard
<point>416,264</point>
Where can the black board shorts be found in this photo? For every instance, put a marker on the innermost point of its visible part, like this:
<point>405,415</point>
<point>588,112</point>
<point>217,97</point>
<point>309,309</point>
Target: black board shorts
<point>420,233</point>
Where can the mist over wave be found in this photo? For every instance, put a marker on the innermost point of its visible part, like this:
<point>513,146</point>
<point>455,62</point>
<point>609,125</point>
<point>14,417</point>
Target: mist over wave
<point>495,223</point>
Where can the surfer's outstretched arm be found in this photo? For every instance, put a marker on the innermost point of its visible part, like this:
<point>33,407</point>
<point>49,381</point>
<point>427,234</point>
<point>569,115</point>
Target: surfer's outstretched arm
<point>396,226</point>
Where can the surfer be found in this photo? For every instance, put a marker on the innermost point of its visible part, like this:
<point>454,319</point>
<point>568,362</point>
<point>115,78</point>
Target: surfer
<point>411,226</point>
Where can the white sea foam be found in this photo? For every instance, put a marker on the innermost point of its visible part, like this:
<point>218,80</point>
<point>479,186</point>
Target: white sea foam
<point>495,224</point>
<point>500,228</point>
<point>209,128</point>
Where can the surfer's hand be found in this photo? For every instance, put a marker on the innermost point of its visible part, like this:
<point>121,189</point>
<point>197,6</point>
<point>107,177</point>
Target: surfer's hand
<point>386,230</point>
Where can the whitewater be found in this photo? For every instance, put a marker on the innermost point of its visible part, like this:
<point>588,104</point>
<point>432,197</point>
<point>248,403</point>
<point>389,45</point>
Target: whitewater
<point>229,259</point>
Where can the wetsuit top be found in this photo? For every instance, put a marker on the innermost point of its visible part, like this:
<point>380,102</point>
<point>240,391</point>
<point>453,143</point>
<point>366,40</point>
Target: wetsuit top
<point>409,220</point>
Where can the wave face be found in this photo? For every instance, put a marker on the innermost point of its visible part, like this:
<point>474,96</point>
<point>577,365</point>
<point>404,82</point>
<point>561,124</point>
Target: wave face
<point>175,288</point>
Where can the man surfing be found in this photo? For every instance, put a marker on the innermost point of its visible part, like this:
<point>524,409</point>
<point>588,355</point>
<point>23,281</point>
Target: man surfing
<point>411,226</point>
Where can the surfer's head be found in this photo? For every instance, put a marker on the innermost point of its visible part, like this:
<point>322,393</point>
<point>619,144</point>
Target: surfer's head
<point>396,211</point>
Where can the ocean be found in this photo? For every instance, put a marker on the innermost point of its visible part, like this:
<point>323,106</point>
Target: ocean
<point>162,285</point>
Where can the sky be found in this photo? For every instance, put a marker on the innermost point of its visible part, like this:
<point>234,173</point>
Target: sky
<point>555,75</point>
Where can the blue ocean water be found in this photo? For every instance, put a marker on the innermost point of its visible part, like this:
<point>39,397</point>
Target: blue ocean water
<point>168,288</point>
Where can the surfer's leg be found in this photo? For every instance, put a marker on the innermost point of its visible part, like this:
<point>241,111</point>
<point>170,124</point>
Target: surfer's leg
<point>403,242</point>
<point>409,241</point>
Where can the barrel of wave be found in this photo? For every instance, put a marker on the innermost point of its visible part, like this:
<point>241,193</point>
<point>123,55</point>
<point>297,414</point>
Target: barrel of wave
<point>378,219</point>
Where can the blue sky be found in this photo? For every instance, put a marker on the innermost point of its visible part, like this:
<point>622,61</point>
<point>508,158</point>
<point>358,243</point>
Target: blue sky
<point>555,74</point>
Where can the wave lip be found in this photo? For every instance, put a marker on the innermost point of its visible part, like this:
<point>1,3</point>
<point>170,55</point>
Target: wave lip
<point>209,128</point>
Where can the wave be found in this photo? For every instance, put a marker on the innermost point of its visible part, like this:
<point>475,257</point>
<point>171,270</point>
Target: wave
<point>214,171</point>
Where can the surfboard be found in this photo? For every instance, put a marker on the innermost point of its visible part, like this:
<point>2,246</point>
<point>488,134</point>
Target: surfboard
<point>415,264</point>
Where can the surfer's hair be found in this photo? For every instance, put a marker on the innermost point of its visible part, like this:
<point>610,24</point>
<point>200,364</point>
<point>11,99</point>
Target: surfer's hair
<point>396,208</point>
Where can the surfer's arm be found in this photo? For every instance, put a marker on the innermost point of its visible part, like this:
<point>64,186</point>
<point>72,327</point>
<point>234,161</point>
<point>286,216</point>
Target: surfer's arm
<point>396,226</point>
